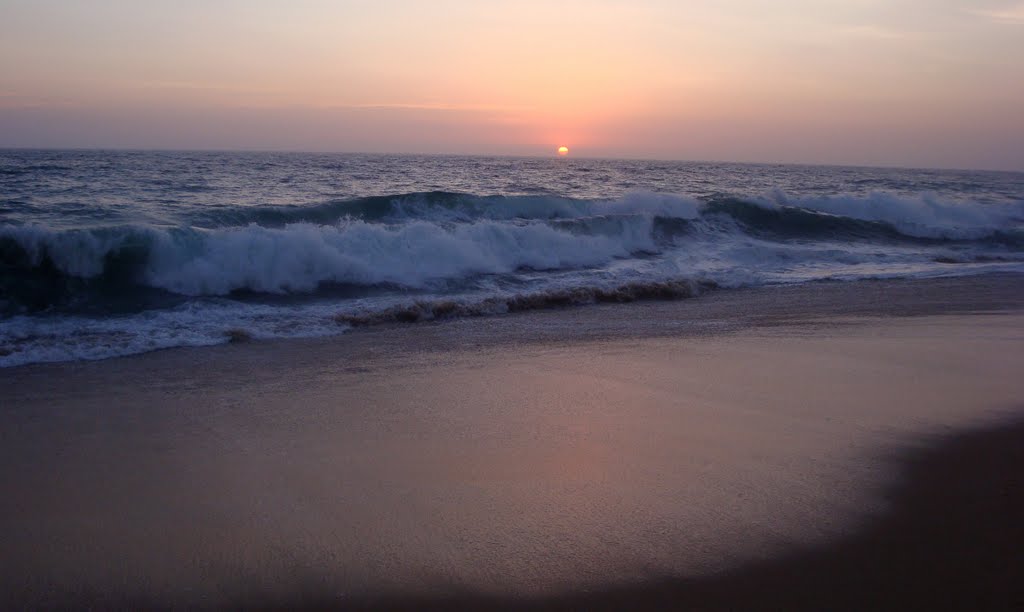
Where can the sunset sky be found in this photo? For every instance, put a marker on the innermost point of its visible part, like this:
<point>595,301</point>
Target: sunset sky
<point>878,82</point>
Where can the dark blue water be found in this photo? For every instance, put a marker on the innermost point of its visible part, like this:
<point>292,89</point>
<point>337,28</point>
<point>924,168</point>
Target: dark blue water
<point>110,253</point>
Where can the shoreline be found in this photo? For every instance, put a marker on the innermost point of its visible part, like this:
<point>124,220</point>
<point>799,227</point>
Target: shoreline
<point>610,456</point>
<point>716,311</point>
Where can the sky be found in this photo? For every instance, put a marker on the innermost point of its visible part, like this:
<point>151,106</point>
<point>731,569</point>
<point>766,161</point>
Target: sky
<point>922,83</point>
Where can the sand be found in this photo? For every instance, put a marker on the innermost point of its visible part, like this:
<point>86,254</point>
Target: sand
<point>832,445</point>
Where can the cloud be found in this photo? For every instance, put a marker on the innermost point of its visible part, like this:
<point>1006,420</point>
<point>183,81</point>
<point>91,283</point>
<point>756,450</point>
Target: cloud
<point>436,106</point>
<point>1013,15</point>
<point>876,32</point>
<point>16,100</point>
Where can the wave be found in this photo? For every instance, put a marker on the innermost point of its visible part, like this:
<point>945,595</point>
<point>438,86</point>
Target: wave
<point>428,241</point>
<point>447,206</point>
<point>298,258</point>
<point>924,215</point>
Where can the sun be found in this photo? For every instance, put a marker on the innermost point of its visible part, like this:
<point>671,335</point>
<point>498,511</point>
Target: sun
<point>563,150</point>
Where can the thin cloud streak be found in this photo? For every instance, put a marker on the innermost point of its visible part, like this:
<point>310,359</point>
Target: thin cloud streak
<point>1013,15</point>
<point>438,107</point>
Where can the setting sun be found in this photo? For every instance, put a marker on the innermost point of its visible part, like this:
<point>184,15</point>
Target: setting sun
<point>563,150</point>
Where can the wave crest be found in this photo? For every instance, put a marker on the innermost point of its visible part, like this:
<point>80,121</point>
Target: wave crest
<point>299,257</point>
<point>925,215</point>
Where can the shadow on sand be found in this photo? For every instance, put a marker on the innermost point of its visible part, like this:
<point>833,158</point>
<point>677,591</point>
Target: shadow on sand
<point>954,539</point>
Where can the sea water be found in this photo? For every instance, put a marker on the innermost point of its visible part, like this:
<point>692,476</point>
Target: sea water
<point>116,253</point>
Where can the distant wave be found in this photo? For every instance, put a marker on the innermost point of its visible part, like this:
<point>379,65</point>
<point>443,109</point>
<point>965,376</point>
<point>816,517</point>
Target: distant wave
<point>446,206</point>
<point>925,215</point>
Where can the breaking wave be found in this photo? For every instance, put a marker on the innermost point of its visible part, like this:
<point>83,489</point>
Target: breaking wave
<point>925,215</point>
<point>431,240</point>
<point>298,258</point>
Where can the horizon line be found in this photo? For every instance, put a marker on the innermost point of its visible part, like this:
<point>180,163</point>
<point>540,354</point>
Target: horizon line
<point>570,157</point>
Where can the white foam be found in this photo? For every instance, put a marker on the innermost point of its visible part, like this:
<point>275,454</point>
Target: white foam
<point>30,339</point>
<point>301,256</point>
<point>924,215</point>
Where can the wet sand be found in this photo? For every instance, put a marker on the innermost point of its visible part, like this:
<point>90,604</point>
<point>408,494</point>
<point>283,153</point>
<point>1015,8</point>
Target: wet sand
<point>834,445</point>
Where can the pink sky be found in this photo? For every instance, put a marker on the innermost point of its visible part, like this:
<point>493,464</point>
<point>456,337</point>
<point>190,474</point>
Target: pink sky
<point>898,82</point>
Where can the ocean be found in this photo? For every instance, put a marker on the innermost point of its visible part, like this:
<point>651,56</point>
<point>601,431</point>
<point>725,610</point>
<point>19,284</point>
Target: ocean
<point>116,253</point>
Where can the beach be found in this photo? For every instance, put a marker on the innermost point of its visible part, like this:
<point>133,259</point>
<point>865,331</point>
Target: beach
<point>475,305</point>
<point>823,445</point>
